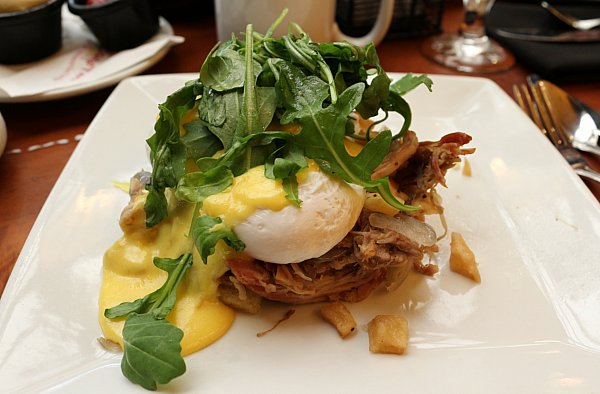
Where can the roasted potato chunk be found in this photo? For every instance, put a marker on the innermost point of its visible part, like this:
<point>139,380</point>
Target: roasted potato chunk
<point>388,334</point>
<point>462,258</point>
<point>340,317</point>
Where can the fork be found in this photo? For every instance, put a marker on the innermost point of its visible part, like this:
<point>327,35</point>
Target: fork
<point>579,24</point>
<point>534,103</point>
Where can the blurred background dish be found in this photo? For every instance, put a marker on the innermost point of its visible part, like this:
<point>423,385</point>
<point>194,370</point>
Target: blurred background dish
<point>31,33</point>
<point>555,61</point>
<point>118,24</point>
<point>134,38</point>
<point>81,66</point>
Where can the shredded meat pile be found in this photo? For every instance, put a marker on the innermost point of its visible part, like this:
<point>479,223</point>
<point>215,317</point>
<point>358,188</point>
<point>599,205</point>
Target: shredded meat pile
<point>427,167</point>
<point>362,261</point>
<point>348,272</point>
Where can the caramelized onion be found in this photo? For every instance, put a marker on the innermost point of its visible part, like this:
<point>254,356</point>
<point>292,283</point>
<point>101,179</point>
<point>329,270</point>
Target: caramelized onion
<point>415,230</point>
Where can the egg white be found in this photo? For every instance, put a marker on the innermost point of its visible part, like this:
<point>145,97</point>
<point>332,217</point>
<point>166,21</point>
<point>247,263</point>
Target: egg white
<point>329,210</point>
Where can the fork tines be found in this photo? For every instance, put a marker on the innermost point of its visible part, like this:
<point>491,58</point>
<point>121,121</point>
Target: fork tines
<point>533,101</point>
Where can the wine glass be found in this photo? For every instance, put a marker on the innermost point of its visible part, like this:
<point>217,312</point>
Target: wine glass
<point>470,49</point>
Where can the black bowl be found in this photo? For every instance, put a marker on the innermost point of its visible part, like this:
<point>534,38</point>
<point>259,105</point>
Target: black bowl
<point>31,34</point>
<point>118,24</point>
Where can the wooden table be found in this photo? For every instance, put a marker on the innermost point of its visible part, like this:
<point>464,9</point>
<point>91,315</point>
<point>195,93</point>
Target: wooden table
<point>27,177</point>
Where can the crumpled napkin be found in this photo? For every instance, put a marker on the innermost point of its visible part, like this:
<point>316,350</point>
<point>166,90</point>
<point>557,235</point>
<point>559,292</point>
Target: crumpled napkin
<point>79,62</point>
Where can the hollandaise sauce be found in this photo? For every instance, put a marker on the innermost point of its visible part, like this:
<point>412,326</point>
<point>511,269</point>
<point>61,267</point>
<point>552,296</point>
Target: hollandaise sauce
<point>129,274</point>
<point>248,192</point>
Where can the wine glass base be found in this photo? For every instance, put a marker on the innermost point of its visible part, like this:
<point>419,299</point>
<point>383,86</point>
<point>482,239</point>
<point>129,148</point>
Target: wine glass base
<point>450,50</point>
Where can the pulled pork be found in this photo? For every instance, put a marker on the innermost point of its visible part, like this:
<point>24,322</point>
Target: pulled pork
<point>367,256</point>
<point>348,272</point>
<point>427,167</point>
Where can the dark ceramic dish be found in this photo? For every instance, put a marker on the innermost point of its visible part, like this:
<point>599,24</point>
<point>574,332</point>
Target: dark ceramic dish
<point>118,24</point>
<point>31,34</point>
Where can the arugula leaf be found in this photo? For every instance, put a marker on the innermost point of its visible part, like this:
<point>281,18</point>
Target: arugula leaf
<point>196,186</point>
<point>151,344</point>
<point>394,102</point>
<point>409,82</point>
<point>378,90</point>
<point>299,99</point>
<point>249,113</point>
<point>266,105</point>
<point>151,351</point>
<point>323,131</point>
<point>349,60</point>
<point>206,232</point>
<point>167,152</point>
<point>342,52</point>
<point>232,126</point>
<point>224,71</point>
<point>216,174</point>
<point>156,206</point>
<point>160,302</point>
<point>222,111</point>
<point>199,141</point>
<point>286,168</point>
<point>240,147</point>
<point>322,138</point>
<point>212,107</point>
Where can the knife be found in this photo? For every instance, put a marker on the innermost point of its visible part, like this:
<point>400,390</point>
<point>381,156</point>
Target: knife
<point>548,35</point>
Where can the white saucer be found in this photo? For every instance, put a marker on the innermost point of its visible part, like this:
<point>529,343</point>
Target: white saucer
<point>109,80</point>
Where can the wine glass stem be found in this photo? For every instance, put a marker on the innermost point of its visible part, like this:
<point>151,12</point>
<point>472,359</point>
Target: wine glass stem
<point>470,49</point>
<point>473,25</point>
<point>472,30</point>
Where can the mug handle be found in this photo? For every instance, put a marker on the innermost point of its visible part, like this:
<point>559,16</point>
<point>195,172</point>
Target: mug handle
<point>377,33</point>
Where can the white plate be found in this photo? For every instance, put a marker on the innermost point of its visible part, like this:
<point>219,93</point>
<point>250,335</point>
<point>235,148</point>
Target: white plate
<point>96,84</point>
<point>532,325</point>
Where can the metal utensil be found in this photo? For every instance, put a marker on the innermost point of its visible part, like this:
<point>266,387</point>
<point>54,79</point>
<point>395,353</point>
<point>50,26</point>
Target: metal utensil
<point>579,124</point>
<point>548,35</point>
<point>531,100</point>
<point>579,24</point>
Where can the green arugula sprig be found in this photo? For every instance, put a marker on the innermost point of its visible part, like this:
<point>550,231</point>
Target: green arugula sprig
<point>323,130</point>
<point>245,85</point>
<point>167,151</point>
<point>151,344</point>
<point>206,236</point>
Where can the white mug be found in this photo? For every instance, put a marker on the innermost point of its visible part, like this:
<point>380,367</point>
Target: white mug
<point>315,17</point>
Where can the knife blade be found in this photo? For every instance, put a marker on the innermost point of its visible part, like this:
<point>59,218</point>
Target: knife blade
<point>548,35</point>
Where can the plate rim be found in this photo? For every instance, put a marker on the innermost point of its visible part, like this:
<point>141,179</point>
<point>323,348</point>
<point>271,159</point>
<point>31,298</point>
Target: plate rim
<point>19,266</point>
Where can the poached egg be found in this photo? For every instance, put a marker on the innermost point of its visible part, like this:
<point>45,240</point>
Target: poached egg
<point>276,231</point>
